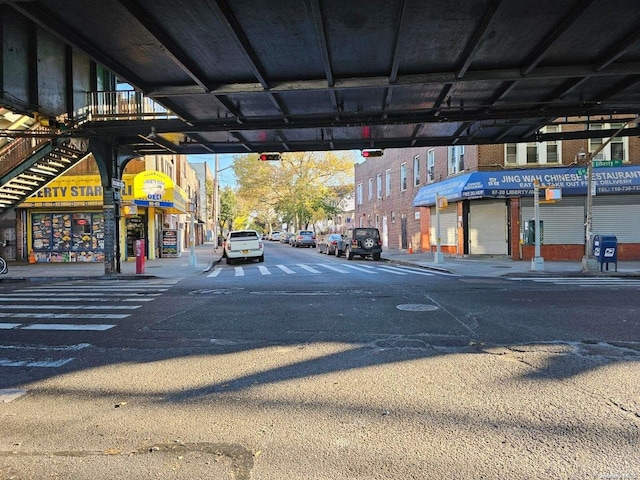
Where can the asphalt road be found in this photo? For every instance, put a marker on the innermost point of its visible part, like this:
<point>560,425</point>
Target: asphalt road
<point>312,367</point>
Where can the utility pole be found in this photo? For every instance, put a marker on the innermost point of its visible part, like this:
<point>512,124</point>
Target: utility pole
<point>192,232</point>
<point>438,257</point>
<point>537,262</point>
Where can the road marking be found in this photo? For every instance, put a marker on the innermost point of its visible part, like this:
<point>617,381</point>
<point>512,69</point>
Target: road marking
<point>285,269</point>
<point>48,348</point>
<point>109,316</point>
<point>392,270</point>
<point>308,268</point>
<point>412,270</point>
<point>335,269</point>
<point>5,362</point>
<point>363,269</point>
<point>264,270</point>
<point>72,299</point>
<point>239,272</point>
<point>68,327</point>
<point>215,273</point>
<point>89,294</point>
<point>70,307</point>
<point>9,326</point>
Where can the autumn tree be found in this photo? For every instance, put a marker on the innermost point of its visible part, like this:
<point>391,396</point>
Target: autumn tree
<point>228,208</point>
<point>302,188</point>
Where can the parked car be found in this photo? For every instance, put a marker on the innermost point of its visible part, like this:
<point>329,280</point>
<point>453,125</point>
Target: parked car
<point>365,242</point>
<point>275,236</point>
<point>329,243</point>
<point>304,238</point>
<point>243,245</point>
<point>285,237</point>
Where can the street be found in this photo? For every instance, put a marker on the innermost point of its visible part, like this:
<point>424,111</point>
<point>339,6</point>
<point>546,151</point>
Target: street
<point>316,367</point>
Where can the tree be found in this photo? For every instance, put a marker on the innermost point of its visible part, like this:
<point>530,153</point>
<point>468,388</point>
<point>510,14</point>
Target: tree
<point>228,208</point>
<point>303,188</point>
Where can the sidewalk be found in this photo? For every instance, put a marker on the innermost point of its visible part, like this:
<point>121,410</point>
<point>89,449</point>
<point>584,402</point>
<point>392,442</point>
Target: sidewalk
<point>207,255</point>
<point>498,265</point>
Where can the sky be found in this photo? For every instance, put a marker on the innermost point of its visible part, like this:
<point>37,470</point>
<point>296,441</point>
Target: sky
<point>225,161</point>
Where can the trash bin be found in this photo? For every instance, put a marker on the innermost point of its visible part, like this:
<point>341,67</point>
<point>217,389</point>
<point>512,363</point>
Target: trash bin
<point>605,249</point>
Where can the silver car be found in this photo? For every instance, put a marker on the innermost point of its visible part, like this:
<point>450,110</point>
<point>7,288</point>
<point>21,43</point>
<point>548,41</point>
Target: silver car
<point>329,244</point>
<point>303,238</point>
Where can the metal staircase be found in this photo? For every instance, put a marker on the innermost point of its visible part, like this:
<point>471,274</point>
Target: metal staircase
<point>28,164</point>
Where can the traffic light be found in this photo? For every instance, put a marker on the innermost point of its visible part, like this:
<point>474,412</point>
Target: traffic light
<point>270,157</point>
<point>374,152</point>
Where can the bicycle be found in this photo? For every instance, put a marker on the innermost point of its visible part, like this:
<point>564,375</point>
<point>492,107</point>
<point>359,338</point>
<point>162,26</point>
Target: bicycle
<point>3,263</point>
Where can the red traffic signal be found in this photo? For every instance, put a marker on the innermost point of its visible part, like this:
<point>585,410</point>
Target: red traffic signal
<point>375,152</point>
<point>270,157</point>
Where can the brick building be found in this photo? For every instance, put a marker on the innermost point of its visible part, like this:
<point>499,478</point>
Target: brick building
<point>489,196</point>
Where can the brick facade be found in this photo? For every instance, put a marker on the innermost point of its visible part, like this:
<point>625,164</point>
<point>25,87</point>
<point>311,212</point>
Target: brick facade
<point>398,203</point>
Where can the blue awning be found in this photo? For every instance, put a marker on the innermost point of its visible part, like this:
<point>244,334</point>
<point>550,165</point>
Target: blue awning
<point>519,183</point>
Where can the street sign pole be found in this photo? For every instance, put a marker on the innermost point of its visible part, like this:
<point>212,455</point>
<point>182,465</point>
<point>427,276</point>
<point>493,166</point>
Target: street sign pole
<point>537,262</point>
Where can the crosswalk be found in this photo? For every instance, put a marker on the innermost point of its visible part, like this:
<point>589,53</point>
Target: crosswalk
<point>584,282</point>
<point>68,307</point>
<point>320,269</point>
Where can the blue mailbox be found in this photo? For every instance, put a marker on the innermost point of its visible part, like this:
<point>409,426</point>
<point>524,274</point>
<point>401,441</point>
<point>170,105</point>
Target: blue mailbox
<point>605,249</point>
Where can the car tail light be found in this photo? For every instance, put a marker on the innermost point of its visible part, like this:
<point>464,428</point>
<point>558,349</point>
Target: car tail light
<point>334,242</point>
<point>260,245</point>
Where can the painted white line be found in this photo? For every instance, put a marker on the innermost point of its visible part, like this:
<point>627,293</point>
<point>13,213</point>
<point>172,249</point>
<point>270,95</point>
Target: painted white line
<point>70,307</point>
<point>4,362</point>
<point>9,326</point>
<point>335,269</point>
<point>285,269</point>
<point>98,288</point>
<point>239,272</point>
<point>308,268</point>
<point>72,299</point>
<point>391,270</point>
<point>264,270</point>
<point>48,348</point>
<point>414,271</point>
<point>66,316</point>
<point>215,273</point>
<point>67,327</point>
<point>362,269</point>
<point>87,294</point>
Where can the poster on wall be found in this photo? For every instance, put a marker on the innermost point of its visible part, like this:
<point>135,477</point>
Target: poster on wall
<point>169,243</point>
<point>67,237</point>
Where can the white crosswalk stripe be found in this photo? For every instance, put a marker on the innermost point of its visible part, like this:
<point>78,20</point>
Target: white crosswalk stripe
<point>35,309</point>
<point>323,269</point>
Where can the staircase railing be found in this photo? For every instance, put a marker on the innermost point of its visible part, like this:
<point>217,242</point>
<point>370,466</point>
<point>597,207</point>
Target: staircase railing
<point>14,153</point>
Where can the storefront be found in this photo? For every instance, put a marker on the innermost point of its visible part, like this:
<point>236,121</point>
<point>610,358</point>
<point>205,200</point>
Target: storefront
<point>488,212</point>
<point>65,219</point>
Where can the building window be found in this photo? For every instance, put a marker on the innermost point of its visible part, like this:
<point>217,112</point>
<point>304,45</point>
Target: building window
<point>532,152</point>
<point>403,177</point>
<point>511,155</point>
<point>379,185</point>
<point>359,194</point>
<point>388,182</point>
<point>416,170</point>
<point>617,147</point>
<point>377,221</point>
<point>456,159</point>
<point>431,165</point>
<point>370,189</point>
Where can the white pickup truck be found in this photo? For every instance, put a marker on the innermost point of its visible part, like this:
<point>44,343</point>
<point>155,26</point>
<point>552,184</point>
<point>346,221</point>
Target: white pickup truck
<point>243,245</point>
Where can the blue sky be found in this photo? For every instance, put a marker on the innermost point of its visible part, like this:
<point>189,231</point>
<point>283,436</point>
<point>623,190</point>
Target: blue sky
<point>224,160</point>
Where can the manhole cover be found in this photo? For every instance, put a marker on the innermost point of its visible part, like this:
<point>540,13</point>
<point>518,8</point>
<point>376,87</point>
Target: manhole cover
<point>416,307</point>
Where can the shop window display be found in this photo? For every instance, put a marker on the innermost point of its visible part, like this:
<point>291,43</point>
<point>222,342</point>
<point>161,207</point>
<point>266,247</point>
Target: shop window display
<point>68,237</point>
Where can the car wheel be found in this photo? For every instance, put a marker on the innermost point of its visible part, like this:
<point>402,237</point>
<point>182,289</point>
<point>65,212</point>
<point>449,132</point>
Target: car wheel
<point>229,261</point>
<point>376,257</point>
<point>337,252</point>
<point>368,243</point>
<point>261,258</point>
<point>349,254</point>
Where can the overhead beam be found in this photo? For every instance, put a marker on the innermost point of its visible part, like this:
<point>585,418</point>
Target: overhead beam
<point>438,78</point>
<point>617,50</point>
<point>169,46</point>
<point>474,43</point>
<point>580,6</point>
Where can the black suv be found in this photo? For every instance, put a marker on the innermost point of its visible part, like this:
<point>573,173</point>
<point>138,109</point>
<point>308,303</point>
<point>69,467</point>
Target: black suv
<point>360,241</point>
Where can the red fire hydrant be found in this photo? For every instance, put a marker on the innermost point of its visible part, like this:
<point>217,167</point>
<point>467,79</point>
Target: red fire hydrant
<point>139,257</point>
